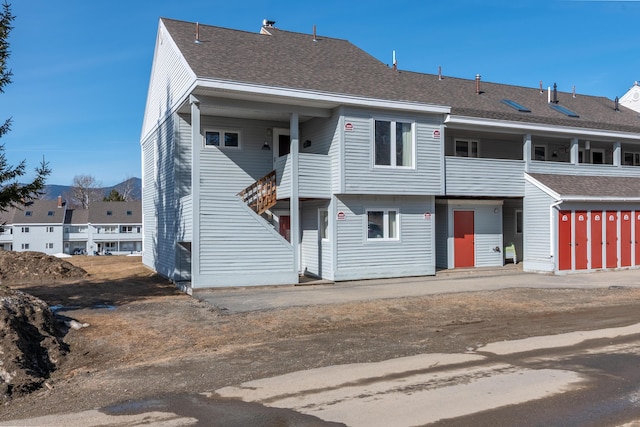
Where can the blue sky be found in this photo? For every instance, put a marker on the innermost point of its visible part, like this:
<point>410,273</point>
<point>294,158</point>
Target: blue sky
<point>81,68</point>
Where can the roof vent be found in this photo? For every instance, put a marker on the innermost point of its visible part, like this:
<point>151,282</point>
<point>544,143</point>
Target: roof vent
<point>541,90</point>
<point>315,38</point>
<point>478,91</point>
<point>197,32</point>
<point>439,72</point>
<point>267,23</point>
<point>616,104</point>
<point>573,91</point>
<point>555,93</point>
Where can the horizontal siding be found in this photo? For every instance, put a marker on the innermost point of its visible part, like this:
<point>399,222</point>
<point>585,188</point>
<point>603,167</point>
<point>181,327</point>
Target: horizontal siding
<point>149,222</point>
<point>412,254</point>
<point>185,211</point>
<point>170,80</point>
<point>314,176</point>
<point>467,176</point>
<point>235,240</point>
<point>537,230</point>
<point>184,157</point>
<point>583,169</point>
<point>362,178</point>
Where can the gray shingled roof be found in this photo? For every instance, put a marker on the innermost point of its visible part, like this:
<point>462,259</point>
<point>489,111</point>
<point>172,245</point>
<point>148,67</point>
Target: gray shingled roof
<point>294,60</point>
<point>590,186</point>
<point>36,212</point>
<point>115,212</point>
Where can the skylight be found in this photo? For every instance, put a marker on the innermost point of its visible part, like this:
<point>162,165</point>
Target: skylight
<point>516,106</point>
<point>563,110</point>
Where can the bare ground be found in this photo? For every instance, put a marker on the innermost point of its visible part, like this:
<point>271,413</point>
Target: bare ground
<point>147,340</point>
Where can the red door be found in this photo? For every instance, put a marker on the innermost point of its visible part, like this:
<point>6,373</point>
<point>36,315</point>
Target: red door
<point>636,241</point>
<point>625,239</point>
<point>564,240</point>
<point>463,239</point>
<point>596,239</point>
<point>285,227</point>
<point>611,239</point>
<point>581,240</point>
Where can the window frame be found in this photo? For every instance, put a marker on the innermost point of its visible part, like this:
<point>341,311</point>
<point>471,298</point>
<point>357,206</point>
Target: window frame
<point>469,143</point>
<point>25,229</point>
<point>535,147</point>
<point>25,246</point>
<point>599,151</point>
<point>521,222</point>
<point>48,245</point>
<point>323,227</point>
<point>392,144</point>
<point>385,225</point>
<point>635,158</point>
<point>222,138</point>
<point>50,229</point>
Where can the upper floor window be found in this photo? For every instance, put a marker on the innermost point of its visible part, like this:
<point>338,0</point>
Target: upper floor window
<point>49,229</point>
<point>631,159</point>
<point>466,148</point>
<point>222,138</point>
<point>540,152</point>
<point>25,229</point>
<point>393,144</point>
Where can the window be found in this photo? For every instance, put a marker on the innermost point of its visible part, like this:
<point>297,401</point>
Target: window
<point>518,222</point>
<point>540,152</point>
<point>382,224</point>
<point>109,213</point>
<point>218,138</point>
<point>25,229</point>
<point>50,213</point>
<point>393,144</point>
<point>28,213</point>
<point>25,246</point>
<point>49,245</point>
<point>466,148</point>
<point>126,229</point>
<point>323,224</point>
<point>129,213</point>
<point>631,159</point>
<point>49,229</point>
<point>564,110</point>
<point>597,156</point>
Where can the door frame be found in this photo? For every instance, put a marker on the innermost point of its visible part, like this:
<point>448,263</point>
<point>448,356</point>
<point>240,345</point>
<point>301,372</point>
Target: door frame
<point>275,142</point>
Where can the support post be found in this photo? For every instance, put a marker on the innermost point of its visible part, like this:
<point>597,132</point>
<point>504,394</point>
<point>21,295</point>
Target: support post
<point>526,151</point>
<point>196,146</point>
<point>574,151</point>
<point>294,205</point>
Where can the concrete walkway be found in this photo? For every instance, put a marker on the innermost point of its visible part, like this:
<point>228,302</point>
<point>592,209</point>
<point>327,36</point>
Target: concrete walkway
<point>448,281</point>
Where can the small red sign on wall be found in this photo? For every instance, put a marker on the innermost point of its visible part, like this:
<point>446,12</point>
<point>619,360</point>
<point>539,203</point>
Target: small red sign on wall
<point>341,216</point>
<point>436,134</point>
<point>427,215</point>
<point>348,127</point>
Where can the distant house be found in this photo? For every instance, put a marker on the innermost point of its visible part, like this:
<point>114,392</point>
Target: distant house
<point>48,226</point>
<point>271,154</point>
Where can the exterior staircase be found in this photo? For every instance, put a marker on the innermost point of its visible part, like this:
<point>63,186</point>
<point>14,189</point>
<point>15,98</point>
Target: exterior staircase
<point>261,195</point>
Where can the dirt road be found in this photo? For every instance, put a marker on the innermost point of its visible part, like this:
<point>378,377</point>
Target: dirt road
<point>147,340</point>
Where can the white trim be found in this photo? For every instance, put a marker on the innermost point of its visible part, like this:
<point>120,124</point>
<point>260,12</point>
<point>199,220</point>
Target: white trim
<point>385,230</point>
<point>310,95</point>
<point>523,127</point>
<point>320,225</point>
<point>392,148</point>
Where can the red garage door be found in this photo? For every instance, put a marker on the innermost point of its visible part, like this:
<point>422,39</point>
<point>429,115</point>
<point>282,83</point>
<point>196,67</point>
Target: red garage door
<point>581,240</point>
<point>596,239</point>
<point>636,241</point>
<point>625,239</point>
<point>564,240</point>
<point>611,239</point>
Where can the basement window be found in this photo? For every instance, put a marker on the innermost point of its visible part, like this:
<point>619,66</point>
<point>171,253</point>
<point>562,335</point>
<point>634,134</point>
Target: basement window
<point>516,106</point>
<point>564,110</point>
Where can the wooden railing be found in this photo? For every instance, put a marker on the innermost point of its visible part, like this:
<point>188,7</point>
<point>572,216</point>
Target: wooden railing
<point>261,195</point>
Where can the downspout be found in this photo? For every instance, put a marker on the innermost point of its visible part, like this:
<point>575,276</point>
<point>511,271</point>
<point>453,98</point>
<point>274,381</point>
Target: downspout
<point>552,246</point>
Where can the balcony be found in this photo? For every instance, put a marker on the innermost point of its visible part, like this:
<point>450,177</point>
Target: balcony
<point>563,168</point>
<point>314,176</point>
<point>471,176</point>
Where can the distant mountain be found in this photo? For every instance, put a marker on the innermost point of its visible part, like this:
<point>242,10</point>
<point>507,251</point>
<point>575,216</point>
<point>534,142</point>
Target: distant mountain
<point>52,191</point>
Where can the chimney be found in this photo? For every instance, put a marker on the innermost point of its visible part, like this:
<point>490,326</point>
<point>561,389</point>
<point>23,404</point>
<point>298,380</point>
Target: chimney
<point>59,201</point>
<point>478,84</point>
<point>555,93</point>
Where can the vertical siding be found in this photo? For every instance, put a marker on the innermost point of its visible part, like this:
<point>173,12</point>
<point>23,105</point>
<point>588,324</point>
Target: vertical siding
<point>362,178</point>
<point>170,79</point>
<point>413,254</point>
<point>537,230</point>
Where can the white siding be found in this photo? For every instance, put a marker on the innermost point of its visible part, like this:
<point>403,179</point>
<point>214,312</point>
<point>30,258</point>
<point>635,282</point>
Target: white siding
<point>412,255</point>
<point>362,178</point>
<point>314,176</point>
<point>149,221</point>
<point>170,80</point>
<point>583,169</point>
<point>509,226</point>
<point>537,230</point>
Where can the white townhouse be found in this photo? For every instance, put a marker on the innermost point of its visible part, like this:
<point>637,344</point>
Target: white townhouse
<point>272,154</point>
<point>48,226</point>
